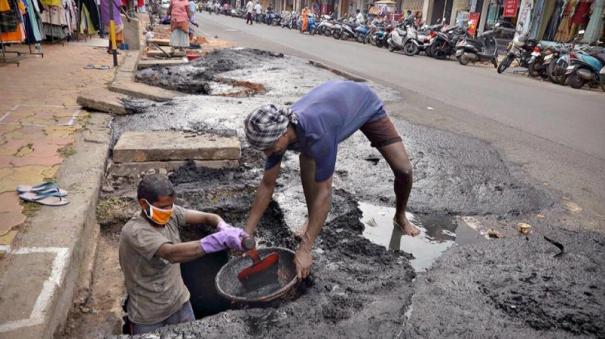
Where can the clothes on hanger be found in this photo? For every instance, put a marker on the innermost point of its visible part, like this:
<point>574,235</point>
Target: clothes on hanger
<point>11,22</point>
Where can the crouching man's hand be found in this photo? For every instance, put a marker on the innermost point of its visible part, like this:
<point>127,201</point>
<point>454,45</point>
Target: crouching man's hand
<point>226,237</point>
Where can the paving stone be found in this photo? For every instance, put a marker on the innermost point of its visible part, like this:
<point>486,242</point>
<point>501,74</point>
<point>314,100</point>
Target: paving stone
<point>103,101</point>
<point>10,177</point>
<point>6,242</point>
<point>174,145</point>
<point>8,220</point>
<point>143,91</point>
<point>162,62</point>
<point>9,202</point>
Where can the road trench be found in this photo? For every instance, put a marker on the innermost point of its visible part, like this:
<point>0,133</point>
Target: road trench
<point>365,274</point>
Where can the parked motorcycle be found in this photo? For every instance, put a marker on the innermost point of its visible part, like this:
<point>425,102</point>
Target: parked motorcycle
<point>520,48</point>
<point>444,43</point>
<point>361,33</point>
<point>483,48</point>
<point>586,67</point>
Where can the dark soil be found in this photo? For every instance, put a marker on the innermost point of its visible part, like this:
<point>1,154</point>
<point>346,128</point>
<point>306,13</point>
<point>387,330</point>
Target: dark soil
<point>195,77</point>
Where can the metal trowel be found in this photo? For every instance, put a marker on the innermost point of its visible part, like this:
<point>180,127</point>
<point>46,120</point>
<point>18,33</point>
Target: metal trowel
<point>262,271</point>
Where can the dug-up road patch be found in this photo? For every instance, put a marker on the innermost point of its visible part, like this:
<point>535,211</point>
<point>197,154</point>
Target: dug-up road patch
<point>509,287</point>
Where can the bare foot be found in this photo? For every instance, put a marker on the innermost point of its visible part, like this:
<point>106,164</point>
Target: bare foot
<point>406,226</point>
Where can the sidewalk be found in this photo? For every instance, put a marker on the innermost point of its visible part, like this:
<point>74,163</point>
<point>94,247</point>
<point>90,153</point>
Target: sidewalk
<point>38,119</point>
<point>43,130</point>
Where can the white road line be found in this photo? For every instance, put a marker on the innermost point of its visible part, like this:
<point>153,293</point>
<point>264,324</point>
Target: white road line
<point>48,289</point>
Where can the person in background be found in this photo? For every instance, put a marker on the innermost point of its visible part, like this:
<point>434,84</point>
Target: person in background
<point>419,21</point>
<point>151,250</point>
<point>304,19</point>
<point>249,11</point>
<point>192,20</point>
<point>359,19</point>
<point>105,18</point>
<point>179,23</point>
<point>258,9</point>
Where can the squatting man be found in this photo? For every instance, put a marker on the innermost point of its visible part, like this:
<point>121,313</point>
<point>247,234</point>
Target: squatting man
<point>151,249</point>
<point>315,125</point>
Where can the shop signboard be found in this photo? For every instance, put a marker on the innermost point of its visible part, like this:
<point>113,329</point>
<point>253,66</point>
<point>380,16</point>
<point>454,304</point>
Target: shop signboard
<point>473,22</point>
<point>510,8</point>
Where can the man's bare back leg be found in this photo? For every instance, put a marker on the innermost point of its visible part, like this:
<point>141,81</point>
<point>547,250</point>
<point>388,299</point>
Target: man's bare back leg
<point>398,160</point>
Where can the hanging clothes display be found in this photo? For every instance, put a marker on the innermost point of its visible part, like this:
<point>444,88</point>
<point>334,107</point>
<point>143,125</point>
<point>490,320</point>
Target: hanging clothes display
<point>11,22</point>
<point>579,20</point>
<point>564,33</point>
<point>536,19</point>
<point>594,30</point>
<point>89,17</point>
<point>32,22</point>
<point>554,21</point>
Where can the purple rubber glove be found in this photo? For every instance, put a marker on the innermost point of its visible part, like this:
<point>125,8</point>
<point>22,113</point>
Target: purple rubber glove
<point>228,237</point>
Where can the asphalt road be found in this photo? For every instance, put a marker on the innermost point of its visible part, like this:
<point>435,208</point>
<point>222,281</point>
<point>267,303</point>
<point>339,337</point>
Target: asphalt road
<point>553,132</point>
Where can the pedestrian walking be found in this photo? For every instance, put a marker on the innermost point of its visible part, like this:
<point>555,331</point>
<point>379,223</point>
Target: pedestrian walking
<point>249,11</point>
<point>258,9</point>
<point>315,125</point>
<point>179,23</point>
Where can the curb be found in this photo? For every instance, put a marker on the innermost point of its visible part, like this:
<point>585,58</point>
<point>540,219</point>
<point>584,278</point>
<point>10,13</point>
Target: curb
<point>336,71</point>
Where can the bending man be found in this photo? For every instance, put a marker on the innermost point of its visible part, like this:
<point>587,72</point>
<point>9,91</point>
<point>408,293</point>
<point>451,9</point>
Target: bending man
<point>314,125</point>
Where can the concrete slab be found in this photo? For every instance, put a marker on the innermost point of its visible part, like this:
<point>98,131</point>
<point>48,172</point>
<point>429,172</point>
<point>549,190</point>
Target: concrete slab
<point>130,62</point>
<point>102,100</point>
<point>53,244</point>
<point>163,62</point>
<point>143,91</point>
<point>159,42</point>
<point>174,145</point>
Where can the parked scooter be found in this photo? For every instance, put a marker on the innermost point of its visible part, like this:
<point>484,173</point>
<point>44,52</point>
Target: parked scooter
<point>395,40</point>
<point>520,48</point>
<point>586,68</point>
<point>483,48</point>
<point>326,26</point>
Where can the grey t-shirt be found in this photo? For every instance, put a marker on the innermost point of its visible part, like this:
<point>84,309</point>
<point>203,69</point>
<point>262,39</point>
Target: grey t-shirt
<point>155,287</point>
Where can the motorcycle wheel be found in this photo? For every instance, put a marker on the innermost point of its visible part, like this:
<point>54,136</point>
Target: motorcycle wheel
<point>463,60</point>
<point>410,49</point>
<point>312,32</point>
<point>437,51</point>
<point>505,63</point>
<point>575,81</point>
<point>337,35</point>
<point>556,72</point>
<point>326,32</point>
<point>532,71</point>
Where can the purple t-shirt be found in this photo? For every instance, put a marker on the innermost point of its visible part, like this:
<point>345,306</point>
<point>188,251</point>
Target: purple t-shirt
<point>327,115</point>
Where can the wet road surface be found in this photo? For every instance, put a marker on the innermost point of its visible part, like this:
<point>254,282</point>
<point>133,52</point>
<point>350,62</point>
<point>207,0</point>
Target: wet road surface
<point>553,132</point>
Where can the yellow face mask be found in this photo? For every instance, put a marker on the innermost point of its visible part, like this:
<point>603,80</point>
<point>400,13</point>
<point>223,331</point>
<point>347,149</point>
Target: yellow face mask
<point>158,215</point>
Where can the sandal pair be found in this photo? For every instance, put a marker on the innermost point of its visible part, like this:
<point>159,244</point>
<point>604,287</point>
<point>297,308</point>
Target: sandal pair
<point>46,193</point>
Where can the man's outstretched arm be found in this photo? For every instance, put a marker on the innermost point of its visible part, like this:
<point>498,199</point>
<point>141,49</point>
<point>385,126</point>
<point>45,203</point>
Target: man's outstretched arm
<point>319,207</point>
<point>264,193</point>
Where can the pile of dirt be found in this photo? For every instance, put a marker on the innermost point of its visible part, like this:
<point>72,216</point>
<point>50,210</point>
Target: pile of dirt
<point>515,286</point>
<point>196,77</point>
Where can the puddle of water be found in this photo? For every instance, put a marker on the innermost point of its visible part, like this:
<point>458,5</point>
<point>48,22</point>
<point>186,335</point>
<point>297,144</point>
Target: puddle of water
<point>437,233</point>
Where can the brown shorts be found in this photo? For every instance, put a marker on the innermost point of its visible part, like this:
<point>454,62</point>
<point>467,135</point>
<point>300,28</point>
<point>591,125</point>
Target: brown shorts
<point>381,132</point>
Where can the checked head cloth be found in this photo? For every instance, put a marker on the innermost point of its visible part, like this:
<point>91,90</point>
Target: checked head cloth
<point>266,124</point>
